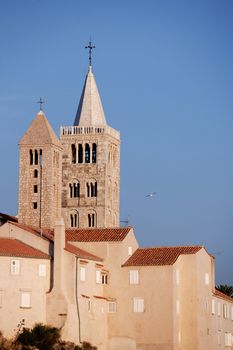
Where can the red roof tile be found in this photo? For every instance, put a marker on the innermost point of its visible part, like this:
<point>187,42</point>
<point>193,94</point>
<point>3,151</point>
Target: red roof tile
<point>14,247</point>
<point>159,256</point>
<point>97,234</point>
<point>81,253</point>
<point>219,294</point>
<point>46,233</point>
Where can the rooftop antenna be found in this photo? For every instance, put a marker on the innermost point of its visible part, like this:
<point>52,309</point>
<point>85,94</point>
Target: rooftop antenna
<point>126,221</point>
<point>41,103</point>
<point>90,47</point>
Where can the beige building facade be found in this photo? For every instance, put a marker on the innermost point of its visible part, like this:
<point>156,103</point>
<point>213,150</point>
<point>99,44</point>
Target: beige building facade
<point>65,260</point>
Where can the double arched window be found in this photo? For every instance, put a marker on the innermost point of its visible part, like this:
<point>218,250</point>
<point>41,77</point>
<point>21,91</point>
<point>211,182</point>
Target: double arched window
<point>92,189</point>
<point>74,219</point>
<point>74,189</point>
<point>91,219</point>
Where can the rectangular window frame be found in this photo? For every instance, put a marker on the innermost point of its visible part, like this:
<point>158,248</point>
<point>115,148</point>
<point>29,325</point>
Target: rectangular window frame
<point>25,300</point>
<point>112,307</point>
<point>138,305</point>
<point>15,267</point>
<point>133,277</point>
<point>82,273</point>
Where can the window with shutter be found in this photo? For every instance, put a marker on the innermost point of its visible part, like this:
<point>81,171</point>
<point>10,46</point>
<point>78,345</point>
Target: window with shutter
<point>15,267</point>
<point>111,307</point>
<point>98,276</point>
<point>130,251</point>
<point>133,277</point>
<point>219,308</point>
<point>207,279</point>
<point>25,300</point>
<point>138,305</point>
<point>42,270</point>
<point>213,307</point>
<point>82,273</point>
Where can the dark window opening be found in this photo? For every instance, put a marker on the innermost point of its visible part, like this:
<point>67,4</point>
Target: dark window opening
<point>88,190</point>
<point>73,149</point>
<point>76,190</point>
<point>80,153</point>
<point>71,190</point>
<point>35,173</point>
<point>31,157</point>
<point>41,157</point>
<point>94,189</point>
<point>94,147</point>
<point>36,157</point>
<point>74,220</point>
<point>35,189</point>
<point>104,278</point>
<point>91,220</point>
<point>87,153</point>
<point>34,205</point>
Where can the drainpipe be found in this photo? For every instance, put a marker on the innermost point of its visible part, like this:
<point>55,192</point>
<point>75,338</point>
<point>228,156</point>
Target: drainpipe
<point>77,304</point>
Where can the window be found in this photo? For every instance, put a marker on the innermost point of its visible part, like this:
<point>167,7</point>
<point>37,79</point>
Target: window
<point>94,152</point>
<point>228,339</point>
<point>111,307</point>
<point>138,305</point>
<point>225,311</point>
<point>74,222</point>
<point>15,267</point>
<point>92,189</point>
<point>25,300</point>
<point>35,189</point>
<point>98,276</point>
<point>219,337</point>
<point>91,220</point>
<point>36,157</point>
<point>34,205</point>
<point>219,308</point>
<point>74,188</point>
<point>42,270</point>
<point>82,273</point>
<point>130,250</point>
<point>73,153</point>
<point>207,279</point>
<point>80,153</point>
<point>177,277</point>
<point>87,153</point>
<point>31,156</point>
<point>35,173</point>
<point>213,307</point>
<point>133,277</point>
<point>104,278</point>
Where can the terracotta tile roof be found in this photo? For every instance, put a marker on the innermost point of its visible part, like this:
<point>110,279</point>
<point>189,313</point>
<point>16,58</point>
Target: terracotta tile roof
<point>97,234</point>
<point>46,233</point>
<point>219,294</point>
<point>81,253</point>
<point>16,248</point>
<point>159,256</point>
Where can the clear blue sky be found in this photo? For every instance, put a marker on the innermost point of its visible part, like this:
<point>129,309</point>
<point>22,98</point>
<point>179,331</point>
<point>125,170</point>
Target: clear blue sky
<point>164,71</point>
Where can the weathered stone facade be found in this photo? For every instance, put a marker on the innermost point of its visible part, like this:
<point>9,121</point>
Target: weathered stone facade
<point>39,175</point>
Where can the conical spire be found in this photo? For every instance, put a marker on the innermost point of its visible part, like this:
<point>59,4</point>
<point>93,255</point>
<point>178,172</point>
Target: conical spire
<point>90,110</point>
<point>40,132</point>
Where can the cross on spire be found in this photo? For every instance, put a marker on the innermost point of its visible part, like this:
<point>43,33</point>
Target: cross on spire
<point>90,47</point>
<point>41,103</point>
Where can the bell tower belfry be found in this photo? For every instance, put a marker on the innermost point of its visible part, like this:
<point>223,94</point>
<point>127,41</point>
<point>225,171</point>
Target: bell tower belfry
<point>90,164</point>
<point>39,175</point>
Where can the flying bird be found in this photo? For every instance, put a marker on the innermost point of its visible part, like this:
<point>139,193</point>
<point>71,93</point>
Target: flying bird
<point>152,194</point>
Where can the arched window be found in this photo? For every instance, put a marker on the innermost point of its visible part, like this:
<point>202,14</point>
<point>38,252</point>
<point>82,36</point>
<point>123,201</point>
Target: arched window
<point>94,149</point>
<point>73,151</point>
<point>91,217</point>
<point>35,173</point>
<point>74,189</point>
<point>80,153</point>
<point>92,189</point>
<point>31,156</point>
<point>87,153</point>
<point>36,157</point>
<point>74,219</point>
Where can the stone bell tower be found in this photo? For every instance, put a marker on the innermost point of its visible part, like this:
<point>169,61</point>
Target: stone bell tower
<point>39,175</point>
<point>90,164</point>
